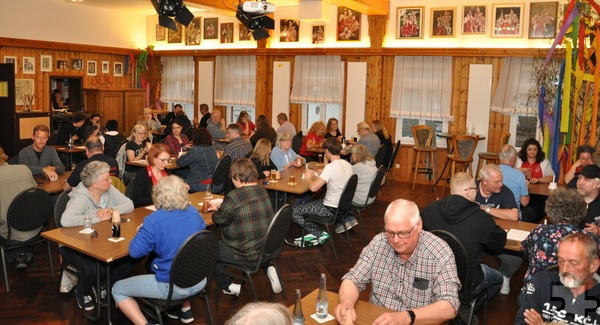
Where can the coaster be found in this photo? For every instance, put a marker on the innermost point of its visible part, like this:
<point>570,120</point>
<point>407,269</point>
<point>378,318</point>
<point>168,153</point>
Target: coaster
<point>292,183</point>
<point>322,320</point>
<point>273,181</point>
<point>116,240</point>
<point>88,231</point>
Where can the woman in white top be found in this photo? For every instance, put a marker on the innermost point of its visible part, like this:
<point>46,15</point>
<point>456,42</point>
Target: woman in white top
<point>282,155</point>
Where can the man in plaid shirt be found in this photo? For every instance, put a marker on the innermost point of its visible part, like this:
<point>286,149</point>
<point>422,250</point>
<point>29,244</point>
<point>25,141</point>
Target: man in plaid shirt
<point>411,271</point>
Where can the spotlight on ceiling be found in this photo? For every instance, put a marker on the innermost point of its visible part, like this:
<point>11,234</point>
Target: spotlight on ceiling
<point>172,8</point>
<point>252,15</point>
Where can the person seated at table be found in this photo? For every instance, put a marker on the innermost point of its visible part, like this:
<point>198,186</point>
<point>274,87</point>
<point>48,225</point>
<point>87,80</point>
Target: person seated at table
<point>333,130</point>
<point>570,294</point>
<point>264,313</point>
<point>202,160</point>
<point>263,131</point>
<point>177,141</point>
<point>261,157</point>
<point>95,127</point>
<point>161,234</point>
<point>205,116</point>
<point>384,138</point>
<point>238,147</point>
<point>565,209</point>
<point>146,178</point>
<point>112,138</point>
<point>58,101</point>
<point>584,158</point>
<point>74,130</point>
<point>532,161</point>
<point>460,215</point>
<point>370,140</point>
<point>283,156</point>
<point>149,120</point>
<point>335,175</point>
<point>94,151</point>
<point>171,115</point>
<point>515,180</point>
<point>136,149</point>
<point>313,140</point>
<point>588,185</point>
<point>243,218</point>
<point>97,198</point>
<point>285,125</point>
<point>40,158</point>
<point>13,180</point>
<point>184,121</point>
<point>411,271</point>
<point>245,124</point>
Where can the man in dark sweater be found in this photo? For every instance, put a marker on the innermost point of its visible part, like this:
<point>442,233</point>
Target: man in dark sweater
<point>74,130</point>
<point>460,215</point>
<point>205,116</point>
<point>95,152</point>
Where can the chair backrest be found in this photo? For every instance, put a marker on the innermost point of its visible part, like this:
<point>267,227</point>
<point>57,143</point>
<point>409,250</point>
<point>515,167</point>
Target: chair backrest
<point>380,156</point>
<point>118,184</point>
<point>464,145</point>
<point>53,139</point>
<point>29,210</point>
<point>376,184</point>
<point>424,135</point>
<point>14,160</point>
<point>221,173</point>
<point>394,155</point>
<point>188,132</point>
<point>278,229</point>
<point>347,195</point>
<point>461,258</point>
<point>129,188</point>
<point>297,142</point>
<point>60,206</point>
<point>195,260</point>
<point>121,158</point>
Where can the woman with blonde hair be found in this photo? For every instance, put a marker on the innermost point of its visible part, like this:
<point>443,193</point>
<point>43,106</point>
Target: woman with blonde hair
<point>148,120</point>
<point>314,139</point>
<point>367,137</point>
<point>136,148</point>
<point>263,313</point>
<point>283,156</point>
<point>261,157</point>
<point>384,138</point>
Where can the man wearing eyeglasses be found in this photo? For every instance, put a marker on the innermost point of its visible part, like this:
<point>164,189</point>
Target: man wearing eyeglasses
<point>411,271</point>
<point>461,216</point>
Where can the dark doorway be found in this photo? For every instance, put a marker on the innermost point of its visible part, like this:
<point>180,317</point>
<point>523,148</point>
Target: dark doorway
<point>71,89</point>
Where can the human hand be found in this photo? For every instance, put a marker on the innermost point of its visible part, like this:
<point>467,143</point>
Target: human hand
<point>345,313</point>
<point>592,228</point>
<point>75,137</point>
<point>527,173</point>
<point>49,171</point>
<point>104,214</point>
<point>392,318</point>
<point>309,173</point>
<point>532,317</point>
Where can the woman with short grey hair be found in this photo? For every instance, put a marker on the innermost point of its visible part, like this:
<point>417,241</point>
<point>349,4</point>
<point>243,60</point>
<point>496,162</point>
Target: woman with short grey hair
<point>282,155</point>
<point>263,313</point>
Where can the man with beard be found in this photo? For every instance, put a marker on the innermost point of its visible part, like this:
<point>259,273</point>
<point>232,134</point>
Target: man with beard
<point>569,294</point>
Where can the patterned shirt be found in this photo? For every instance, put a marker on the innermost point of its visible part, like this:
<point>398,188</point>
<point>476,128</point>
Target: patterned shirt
<point>174,145</point>
<point>238,148</point>
<point>243,219</point>
<point>428,276</point>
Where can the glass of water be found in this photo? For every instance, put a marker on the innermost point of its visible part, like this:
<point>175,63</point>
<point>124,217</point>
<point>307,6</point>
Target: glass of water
<point>87,223</point>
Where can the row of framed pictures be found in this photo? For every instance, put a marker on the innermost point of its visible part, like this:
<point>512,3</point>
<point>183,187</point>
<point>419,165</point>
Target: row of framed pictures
<point>46,65</point>
<point>507,20</point>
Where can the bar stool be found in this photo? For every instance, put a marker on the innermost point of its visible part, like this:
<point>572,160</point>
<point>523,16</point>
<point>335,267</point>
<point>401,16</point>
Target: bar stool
<point>424,137</point>
<point>490,157</point>
<point>463,148</point>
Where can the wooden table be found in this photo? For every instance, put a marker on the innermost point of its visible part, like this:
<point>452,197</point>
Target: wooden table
<point>69,152</point>
<point>366,312</point>
<point>52,187</point>
<point>283,185</point>
<point>107,251</point>
<point>507,225</point>
<point>172,162</point>
<point>542,189</point>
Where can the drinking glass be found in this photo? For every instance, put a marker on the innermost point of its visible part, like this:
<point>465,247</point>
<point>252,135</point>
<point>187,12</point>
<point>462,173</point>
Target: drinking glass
<point>87,223</point>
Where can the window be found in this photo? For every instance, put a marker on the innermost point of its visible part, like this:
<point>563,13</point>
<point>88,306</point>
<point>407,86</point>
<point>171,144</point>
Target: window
<point>234,111</point>
<point>178,80</point>
<point>235,81</point>
<point>313,112</point>
<point>522,128</point>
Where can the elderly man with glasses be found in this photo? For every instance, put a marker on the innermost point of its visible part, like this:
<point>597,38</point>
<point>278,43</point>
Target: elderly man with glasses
<point>410,270</point>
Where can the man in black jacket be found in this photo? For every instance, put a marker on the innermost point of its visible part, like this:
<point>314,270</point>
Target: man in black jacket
<point>460,215</point>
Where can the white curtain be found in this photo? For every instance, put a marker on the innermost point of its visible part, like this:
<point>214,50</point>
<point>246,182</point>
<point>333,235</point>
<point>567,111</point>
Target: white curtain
<point>422,87</point>
<point>317,79</point>
<point>178,79</point>
<point>235,81</point>
<point>513,87</point>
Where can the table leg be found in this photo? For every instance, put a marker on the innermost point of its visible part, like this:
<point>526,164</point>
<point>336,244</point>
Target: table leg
<point>98,309</point>
<point>450,150</point>
<point>108,293</point>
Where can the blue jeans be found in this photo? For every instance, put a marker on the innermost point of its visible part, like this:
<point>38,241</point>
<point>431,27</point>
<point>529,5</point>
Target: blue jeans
<point>492,281</point>
<point>146,286</point>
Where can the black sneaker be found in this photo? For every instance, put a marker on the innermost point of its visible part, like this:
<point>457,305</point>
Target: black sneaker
<point>103,296</point>
<point>21,262</point>
<point>186,317</point>
<point>84,302</point>
<point>173,313</point>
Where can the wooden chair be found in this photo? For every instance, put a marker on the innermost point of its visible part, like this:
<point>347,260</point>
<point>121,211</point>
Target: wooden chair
<point>392,160</point>
<point>490,157</point>
<point>424,137</point>
<point>463,148</point>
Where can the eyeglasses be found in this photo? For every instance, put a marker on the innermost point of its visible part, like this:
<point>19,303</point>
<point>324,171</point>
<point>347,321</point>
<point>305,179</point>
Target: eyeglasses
<point>401,234</point>
<point>164,160</point>
<point>140,133</point>
<point>470,188</point>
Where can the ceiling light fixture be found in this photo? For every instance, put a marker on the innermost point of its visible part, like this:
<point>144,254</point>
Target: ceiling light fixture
<point>172,8</point>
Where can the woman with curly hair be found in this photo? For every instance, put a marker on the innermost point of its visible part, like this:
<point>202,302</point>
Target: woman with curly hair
<point>314,139</point>
<point>532,162</point>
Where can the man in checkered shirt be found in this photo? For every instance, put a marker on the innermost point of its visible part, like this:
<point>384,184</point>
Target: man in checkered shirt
<point>410,270</point>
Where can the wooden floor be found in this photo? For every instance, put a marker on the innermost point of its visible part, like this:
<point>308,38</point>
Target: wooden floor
<point>34,297</point>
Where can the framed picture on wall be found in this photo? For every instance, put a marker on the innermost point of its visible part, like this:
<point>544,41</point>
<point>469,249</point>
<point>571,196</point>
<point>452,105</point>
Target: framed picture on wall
<point>174,36</point>
<point>211,28</point>
<point>289,30</point>
<point>118,69</point>
<point>244,33</point>
<point>474,19</point>
<point>542,19</point>
<point>11,59</point>
<point>442,22</point>
<point>92,68</point>
<point>318,34</point>
<point>409,22</point>
<point>226,33</point>
<point>77,64</point>
<point>62,64</point>
<point>508,20</point>
<point>160,33</point>
<point>105,67</point>
<point>46,63</point>
<point>192,32</point>
<point>348,26</point>
<point>28,65</point>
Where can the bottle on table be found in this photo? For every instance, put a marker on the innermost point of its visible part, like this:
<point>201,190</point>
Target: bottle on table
<point>298,316</point>
<point>322,302</point>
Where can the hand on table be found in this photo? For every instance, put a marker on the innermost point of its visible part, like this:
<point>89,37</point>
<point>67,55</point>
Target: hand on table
<point>392,318</point>
<point>50,172</point>
<point>104,214</point>
<point>532,317</point>
<point>345,314</point>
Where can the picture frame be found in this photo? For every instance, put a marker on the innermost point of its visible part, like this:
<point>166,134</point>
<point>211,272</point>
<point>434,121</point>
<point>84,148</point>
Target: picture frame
<point>105,67</point>
<point>507,20</point>
<point>24,91</point>
<point>244,33</point>
<point>226,33</point>
<point>11,59</point>
<point>193,32</point>
<point>443,22</point>
<point>543,19</point>
<point>92,68</point>
<point>318,34</point>
<point>289,29</point>
<point>211,28</point>
<point>118,69</point>
<point>409,22</point>
<point>160,33</point>
<point>349,24</point>
<point>46,63</point>
<point>77,64</point>
<point>62,64</point>
<point>174,36</point>
<point>28,65</point>
<point>474,19</point>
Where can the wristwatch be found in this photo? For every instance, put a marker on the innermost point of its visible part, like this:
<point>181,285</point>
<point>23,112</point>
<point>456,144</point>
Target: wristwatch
<point>412,316</point>
<point>488,209</point>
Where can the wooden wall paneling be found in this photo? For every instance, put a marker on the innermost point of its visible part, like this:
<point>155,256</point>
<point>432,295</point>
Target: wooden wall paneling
<point>91,100</point>
<point>263,92</point>
<point>111,105</point>
<point>133,105</point>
